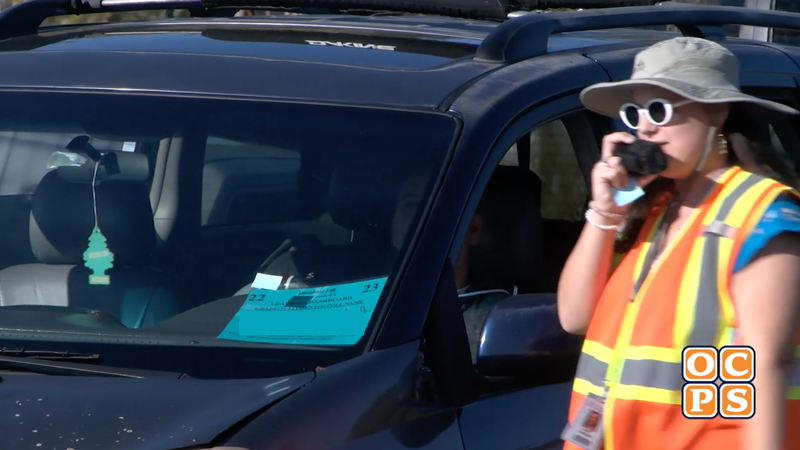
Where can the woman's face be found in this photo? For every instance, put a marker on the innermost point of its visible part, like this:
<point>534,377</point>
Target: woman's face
<point>684,137</point>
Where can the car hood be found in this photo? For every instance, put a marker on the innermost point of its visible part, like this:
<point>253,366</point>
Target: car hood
<point>47,412</point>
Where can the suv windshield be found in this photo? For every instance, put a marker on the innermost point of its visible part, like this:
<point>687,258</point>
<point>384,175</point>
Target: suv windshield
<point>216,237</point>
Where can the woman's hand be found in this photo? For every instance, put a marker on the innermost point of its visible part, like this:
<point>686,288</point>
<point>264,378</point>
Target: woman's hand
<point>609,174</point>
<point>587,269</point>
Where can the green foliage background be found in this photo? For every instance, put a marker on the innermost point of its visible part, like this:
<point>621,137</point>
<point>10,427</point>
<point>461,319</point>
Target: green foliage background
<point>106,17</point>
<point>125,16</point>
<point>111,17</point>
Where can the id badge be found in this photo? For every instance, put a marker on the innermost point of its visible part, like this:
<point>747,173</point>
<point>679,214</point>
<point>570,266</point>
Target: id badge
<point>586,431</point>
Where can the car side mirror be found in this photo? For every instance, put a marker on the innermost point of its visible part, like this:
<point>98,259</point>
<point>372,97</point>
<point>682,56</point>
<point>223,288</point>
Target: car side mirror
<point>522,336</point>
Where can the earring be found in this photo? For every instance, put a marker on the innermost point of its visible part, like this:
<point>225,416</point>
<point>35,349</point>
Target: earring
<point>723,144</point>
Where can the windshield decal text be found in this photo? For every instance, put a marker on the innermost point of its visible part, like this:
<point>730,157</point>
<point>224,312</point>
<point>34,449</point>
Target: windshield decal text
<point>352,45</point>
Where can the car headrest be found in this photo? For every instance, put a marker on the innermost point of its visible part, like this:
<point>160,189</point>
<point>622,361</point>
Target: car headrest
<point>62,219</point>
<point>362,199</point>
<point>509,250</point>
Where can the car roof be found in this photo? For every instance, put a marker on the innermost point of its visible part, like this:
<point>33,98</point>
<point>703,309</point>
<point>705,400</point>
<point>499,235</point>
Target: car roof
<point>322,58</point>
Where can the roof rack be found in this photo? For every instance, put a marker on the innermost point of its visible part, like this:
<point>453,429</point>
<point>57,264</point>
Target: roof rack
<point>527,36</point>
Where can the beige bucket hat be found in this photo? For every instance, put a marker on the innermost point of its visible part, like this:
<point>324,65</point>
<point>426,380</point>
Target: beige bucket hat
<point>698,69</point>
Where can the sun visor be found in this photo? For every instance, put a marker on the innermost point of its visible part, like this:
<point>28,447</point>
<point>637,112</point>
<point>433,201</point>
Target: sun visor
<point>117,166</point>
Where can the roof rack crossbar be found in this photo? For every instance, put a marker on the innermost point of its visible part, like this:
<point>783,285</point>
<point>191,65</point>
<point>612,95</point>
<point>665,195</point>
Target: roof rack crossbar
<point>527,36</point>
<point>26,17</point>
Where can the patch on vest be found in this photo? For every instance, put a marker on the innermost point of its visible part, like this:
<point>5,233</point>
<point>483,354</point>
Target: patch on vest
<point>789,214</point>
<point>720,229</point>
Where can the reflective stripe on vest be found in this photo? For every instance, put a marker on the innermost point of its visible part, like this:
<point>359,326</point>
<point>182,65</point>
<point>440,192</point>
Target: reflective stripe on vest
<point>793,392</point>
<point>701,291</point>
<point>704,312</point>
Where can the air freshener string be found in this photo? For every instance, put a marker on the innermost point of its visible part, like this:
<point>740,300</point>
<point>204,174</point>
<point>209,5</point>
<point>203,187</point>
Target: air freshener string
<point>94,192</point>
<point>98,256</point>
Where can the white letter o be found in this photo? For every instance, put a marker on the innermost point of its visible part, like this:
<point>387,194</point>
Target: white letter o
<point>693,369</point>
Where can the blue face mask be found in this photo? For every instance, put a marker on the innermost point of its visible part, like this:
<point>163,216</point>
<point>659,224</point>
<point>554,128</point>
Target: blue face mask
<point>625,196</point>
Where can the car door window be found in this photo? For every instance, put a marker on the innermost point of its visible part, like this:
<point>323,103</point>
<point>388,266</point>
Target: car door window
<point>553,158</point>
<point>526,223</point>
<point>562,161</point>
<point>547,164</point>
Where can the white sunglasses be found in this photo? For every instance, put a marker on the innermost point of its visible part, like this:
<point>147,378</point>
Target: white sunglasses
<point>657,110</point>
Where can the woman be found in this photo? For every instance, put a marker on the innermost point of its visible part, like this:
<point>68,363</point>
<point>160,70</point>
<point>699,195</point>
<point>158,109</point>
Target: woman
<point>714,262</point>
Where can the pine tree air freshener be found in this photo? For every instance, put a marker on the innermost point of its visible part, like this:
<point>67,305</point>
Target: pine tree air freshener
<point>98,258</point>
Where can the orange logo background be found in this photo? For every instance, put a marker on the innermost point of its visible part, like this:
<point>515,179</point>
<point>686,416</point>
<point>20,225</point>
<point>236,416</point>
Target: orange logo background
<point>699,400</point>
<point>718,382</point>
<point>737,364</point>
<point>737,401</point>
<point>699,364</point>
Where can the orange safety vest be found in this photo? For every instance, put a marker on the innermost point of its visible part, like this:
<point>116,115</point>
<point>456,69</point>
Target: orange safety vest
<point>634,345</point>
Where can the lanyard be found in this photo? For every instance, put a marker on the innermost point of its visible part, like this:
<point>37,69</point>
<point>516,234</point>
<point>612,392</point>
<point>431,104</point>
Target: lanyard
<point>653,251</point>
<point>666,219</point>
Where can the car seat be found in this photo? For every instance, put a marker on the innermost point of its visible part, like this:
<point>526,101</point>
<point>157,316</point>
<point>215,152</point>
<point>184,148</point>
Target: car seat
<point>508,256</point>
<point>61,221</point>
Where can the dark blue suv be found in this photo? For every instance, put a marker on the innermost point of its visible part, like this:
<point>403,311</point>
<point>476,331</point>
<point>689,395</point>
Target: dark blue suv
<point>337,229</point>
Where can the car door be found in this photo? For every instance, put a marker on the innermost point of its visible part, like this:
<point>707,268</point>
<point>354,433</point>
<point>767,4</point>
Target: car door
<point>550,133</point>
<point>529,411</point>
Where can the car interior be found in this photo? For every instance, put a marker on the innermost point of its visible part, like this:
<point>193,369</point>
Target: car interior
<point>60,213</point>
<point>175,208</point>
<point>42,259</point>
<point>332,225</point>
<point>362,204</point>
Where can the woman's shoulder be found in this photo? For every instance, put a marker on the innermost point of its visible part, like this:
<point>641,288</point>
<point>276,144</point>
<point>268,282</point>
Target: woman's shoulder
<point>782,215</point>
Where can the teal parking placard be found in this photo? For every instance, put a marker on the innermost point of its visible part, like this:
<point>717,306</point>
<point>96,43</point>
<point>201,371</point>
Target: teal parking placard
<point>326,315</point>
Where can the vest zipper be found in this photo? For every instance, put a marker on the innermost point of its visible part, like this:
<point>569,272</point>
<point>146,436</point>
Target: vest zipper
<point>614,374</point>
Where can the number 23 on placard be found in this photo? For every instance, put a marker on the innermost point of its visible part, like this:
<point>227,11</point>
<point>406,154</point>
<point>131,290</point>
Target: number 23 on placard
<point>370,288</point>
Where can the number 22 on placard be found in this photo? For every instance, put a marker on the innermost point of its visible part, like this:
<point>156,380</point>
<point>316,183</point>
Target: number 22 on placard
<point>370,288</point>
<point>256,297</point>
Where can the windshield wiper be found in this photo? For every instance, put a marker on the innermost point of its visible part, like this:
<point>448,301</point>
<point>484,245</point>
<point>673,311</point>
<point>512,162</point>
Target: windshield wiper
<point>56,363</point>
<point>51,355</point>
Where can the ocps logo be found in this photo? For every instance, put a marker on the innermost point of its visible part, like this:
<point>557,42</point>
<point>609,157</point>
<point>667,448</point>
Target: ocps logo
<point>703,396</point>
